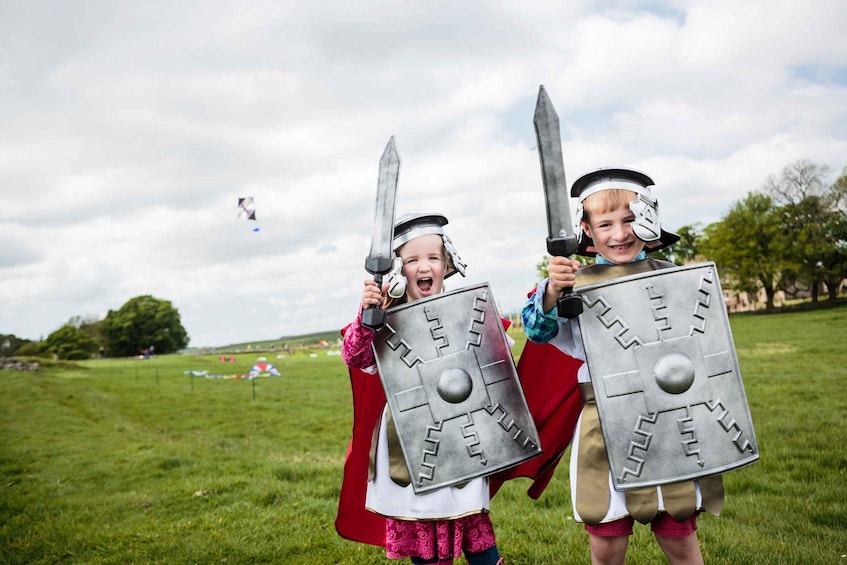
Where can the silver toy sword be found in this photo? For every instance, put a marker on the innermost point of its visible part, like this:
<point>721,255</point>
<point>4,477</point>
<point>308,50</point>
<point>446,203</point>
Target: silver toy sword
<point>380,260</point>
<point>561,241</point>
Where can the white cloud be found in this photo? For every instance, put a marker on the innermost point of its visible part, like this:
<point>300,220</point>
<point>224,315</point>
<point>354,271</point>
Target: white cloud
<point>128,131</point>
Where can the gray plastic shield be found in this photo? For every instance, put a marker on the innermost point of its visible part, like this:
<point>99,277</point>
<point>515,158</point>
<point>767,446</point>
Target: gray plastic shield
<point>453,390</point>
<point>666,378</point>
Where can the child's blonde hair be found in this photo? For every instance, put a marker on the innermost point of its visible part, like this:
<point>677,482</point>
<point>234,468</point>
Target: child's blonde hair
<point>606,201</point>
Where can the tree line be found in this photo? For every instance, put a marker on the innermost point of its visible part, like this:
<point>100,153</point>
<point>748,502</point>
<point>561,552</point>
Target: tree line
<point>143,323</point>
<point>791,235</point>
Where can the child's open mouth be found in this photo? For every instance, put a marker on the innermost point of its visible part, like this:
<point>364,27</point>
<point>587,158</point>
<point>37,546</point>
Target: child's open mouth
<point>425,284</point>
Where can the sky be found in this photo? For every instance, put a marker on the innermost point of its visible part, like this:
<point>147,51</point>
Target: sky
<point>128,131</point>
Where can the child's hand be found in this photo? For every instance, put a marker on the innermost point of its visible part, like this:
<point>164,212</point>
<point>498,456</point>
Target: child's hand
<point>372,295</point>
<point>562,272</point>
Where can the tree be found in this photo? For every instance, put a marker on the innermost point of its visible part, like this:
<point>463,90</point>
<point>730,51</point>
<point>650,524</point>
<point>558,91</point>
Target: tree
<point>90,326</point>
<point>683,250</point>
<point>69,342</point>
<point>33,349</point>
<point>797,181</point>
<point>838,190</point>
<point>541,268</point>
<point>834,260</point>
<point>747,245</point>
<point>9,344</point>
<point>142,322</point>
<point>812,212</point>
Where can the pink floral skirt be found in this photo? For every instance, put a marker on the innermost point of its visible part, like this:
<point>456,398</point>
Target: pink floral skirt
<point>444,539</point>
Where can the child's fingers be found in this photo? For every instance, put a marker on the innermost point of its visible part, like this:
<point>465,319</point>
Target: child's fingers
<point>371,294</point>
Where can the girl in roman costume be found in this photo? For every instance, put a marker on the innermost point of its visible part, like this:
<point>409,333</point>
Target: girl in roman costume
<point>378,504</point>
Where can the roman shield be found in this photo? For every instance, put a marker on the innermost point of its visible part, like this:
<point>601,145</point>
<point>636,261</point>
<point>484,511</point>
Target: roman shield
<point>452,389</point>
<point>665,376</point>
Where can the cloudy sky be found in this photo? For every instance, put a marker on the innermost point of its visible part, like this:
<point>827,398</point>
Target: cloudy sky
<point>128,130</point>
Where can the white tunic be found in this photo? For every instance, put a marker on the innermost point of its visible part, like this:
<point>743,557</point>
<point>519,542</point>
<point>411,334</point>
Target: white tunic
<point>387,498</point>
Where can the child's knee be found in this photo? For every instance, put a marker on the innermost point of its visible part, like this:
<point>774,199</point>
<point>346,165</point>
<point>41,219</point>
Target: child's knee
<point>609,549</point>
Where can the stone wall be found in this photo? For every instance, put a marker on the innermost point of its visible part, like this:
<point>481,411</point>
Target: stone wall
<point>17,364</point>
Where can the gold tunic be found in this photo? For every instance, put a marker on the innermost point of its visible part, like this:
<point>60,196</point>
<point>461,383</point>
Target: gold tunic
<point>591,498</point>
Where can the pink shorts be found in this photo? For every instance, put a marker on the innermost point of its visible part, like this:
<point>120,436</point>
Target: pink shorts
<point>663,525</point>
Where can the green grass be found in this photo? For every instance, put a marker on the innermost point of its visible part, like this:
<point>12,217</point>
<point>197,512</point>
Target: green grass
<point>126,461</point>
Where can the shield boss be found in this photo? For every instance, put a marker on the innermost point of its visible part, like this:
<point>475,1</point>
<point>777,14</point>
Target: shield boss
<point>665,376</point>
<point>452,389</point>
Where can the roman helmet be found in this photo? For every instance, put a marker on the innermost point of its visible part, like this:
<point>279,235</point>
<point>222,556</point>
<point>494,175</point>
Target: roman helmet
<point>407,228</point>
<point>645,207</point>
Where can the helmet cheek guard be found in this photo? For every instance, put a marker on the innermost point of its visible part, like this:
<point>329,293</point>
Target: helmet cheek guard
<point>454,262</point>
<point>646,225</point>
<point>396,281</point>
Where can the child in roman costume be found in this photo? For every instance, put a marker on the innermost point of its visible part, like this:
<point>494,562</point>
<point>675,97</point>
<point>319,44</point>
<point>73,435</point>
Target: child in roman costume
<point>378,504</point>
<point>618,222</point>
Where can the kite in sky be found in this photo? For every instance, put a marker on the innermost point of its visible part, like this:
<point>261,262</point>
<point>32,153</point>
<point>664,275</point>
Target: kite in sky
<point>247,209</point>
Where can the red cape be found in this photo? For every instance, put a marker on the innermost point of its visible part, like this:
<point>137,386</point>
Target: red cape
<point>549,382</point>
<point>548,378</point>
<point>353,521</point>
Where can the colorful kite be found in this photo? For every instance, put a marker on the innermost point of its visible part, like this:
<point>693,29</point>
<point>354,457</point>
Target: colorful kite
<point>247,209</point>
<point>264,370</point>
<point>258,370</point>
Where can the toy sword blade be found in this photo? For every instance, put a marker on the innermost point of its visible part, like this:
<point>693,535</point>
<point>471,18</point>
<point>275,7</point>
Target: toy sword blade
<point>380,260</point>
<point>561,240</point>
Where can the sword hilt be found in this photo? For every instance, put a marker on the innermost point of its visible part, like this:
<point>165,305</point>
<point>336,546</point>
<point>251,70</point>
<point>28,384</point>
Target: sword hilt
<point>374,317</point>
<point>379,266</point>
<point>568,305</point>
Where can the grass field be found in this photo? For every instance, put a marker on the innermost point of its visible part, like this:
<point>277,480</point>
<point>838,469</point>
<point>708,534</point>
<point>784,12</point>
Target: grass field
<point>128,461</point>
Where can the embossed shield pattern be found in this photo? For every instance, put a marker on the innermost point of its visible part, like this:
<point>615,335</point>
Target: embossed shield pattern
<point>453,390</point>
<point>666,377</point>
